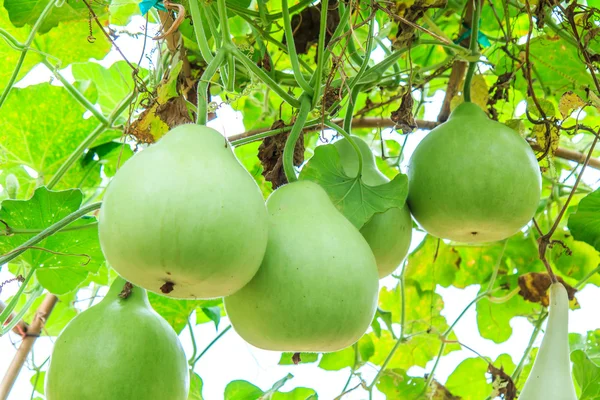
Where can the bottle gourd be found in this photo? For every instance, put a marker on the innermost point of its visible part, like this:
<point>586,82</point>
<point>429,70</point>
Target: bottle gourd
<point>118,349</point>
<point>388,233</point>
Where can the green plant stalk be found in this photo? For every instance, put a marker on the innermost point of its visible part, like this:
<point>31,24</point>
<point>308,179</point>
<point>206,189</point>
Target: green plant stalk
<point>474,47</point>
<point>367,58</point>
<point>270,17</point>
<point>339,30</point>
<point>227,42</point>
<point>318,74</point>
<point>199,31</point>
<point>291,48</point>
<point>583,280</point>
<point>267,37</point>
<point>76,93</point>
<point>209,72</point>
<point>397,71</point>
<point>357,58</point>
<point>194,346</point>
<point>448,331</point>
<point>11,40</point>
<point>219,336</point>
<point>211,24</point>
<point>290,144</point>
<point>350,108</point>
<point>5,314</point>
<point>51,230</point>
<point>534,335</point>
<point>400,339</point>
<point>262,75</point>
<point>262,6</point>
<point>346,135</point>
<point>19,316</point>
<point>26,45</point>
<point>89,140</point>
<point>32,231</point>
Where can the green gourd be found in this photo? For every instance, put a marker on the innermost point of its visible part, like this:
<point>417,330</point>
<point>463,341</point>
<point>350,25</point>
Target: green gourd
<point>183,218</point>
<point>316,290</point>
<point>118,349</point>
<point>550,376</point>
<point>472,179</point>
<point>388,233</point>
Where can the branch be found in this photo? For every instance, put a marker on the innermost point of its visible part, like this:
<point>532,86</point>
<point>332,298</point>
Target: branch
<point>376,122</point>
<point>39,320</point>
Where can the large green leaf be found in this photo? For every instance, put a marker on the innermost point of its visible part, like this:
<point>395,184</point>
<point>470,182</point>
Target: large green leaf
<point>432,263</point>
<point>585,222</point>
<point>397,385</point>
<point>66,258</point>
<point>43,134</point>
<point>112,84</point>
<point>195,387</point>
<point>356,200</point>
<point>587,375</point>
<point>177,312</point>
<point>28,12</point>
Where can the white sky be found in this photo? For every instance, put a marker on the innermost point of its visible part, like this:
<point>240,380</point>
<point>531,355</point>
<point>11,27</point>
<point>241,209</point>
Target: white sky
<point>231,358</point>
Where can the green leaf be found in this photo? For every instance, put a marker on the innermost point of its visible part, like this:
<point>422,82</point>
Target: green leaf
<point>356,200</point>
<point>214,314</point>
<point>587,375</point>
<point>589,343</point>
<point>300,393</point>
<point>397,385</point>
<point>432,263</point>
<point>177,312</point>
<point>43,134</point>
<point>493,319</point>
<point>305,358</point>
<point>28,12</point>
<point>469,381</point>
<point>242,390</point>
<point>578,262</point>
<point>112,84</point>
<point>338,360</point>
<point>37,381</point>
<point>584,224</point>
<point>77,244</point>
<point>195,387</point>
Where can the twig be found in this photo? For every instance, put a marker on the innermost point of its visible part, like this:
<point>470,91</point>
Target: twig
<point>39,320</point>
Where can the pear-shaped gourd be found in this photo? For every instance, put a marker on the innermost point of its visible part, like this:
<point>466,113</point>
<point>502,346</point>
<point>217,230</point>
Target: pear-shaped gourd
<point>388,233</point>
<point>118,349</point>
<point>550,377</point>
<point>183,218</point>
<point>472,179</point>
<point>316,290</point>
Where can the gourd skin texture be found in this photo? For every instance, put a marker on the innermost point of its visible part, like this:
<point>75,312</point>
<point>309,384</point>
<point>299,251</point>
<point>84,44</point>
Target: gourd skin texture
<point>388,233</point>
<point>185,211</point>
<point>550,376</point>
<point>472,179</point>
<point>118,349</point>
<point>316,290</point>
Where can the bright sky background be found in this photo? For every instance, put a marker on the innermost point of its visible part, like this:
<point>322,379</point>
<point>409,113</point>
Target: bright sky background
<point>231,358</point>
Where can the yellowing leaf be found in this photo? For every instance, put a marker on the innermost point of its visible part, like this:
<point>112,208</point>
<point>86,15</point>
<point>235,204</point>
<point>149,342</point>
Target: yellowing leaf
<point>479,93</point>
<point>547,137</point>
<point>568,103</point>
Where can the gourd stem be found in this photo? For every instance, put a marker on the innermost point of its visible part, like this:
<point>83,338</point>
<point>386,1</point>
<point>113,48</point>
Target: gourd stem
<point>199,31</point>
<point>291,47</point>
<point>209,72</point>
<point>290,144</point>
<point>346,135</point>
<point>474,48</point>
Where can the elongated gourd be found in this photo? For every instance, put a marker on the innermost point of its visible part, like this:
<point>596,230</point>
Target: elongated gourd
<point>550,377</point>
<point>388,233</point>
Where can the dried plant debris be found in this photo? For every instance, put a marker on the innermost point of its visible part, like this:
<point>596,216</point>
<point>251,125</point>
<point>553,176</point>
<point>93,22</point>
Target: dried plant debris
<point>270,154</point>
